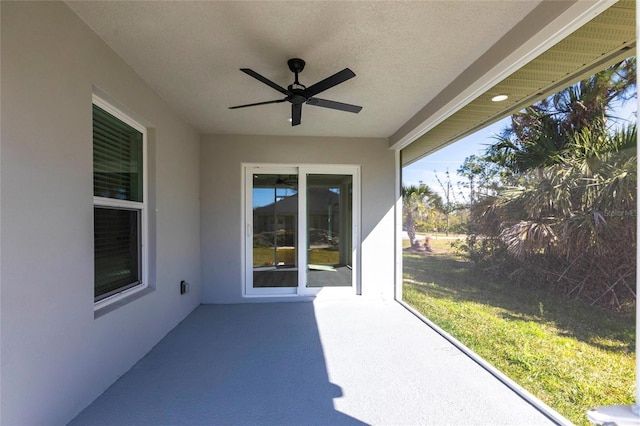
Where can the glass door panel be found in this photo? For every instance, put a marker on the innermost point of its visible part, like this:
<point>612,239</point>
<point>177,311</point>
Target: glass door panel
<point>275,230</point>
<point>329,230</point>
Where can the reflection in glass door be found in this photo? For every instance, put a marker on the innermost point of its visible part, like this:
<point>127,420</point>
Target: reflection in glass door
<point>275,226</point>
<point>329,213</point>
<point>301,229</point>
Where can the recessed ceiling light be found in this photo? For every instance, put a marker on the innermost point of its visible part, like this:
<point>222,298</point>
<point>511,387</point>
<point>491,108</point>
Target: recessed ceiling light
<point>499,98</point>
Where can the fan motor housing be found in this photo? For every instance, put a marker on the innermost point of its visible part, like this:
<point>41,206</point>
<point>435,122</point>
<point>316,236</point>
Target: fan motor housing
<point>298,96</point>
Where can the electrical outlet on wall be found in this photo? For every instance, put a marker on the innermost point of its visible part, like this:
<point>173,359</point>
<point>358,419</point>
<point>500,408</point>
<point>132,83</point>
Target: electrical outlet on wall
<point>184,287</point>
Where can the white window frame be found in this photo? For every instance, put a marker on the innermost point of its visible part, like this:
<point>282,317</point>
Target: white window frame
<point>142,207</point>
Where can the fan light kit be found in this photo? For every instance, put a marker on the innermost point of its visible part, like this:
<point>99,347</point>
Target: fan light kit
<point>298,94</point>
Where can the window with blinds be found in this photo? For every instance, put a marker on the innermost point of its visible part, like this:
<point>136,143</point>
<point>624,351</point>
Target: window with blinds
<point>117,158</point>
<point>118,214</point>
<point>116,253</point>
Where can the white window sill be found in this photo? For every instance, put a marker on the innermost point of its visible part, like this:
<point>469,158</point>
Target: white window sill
<point>109,307</point>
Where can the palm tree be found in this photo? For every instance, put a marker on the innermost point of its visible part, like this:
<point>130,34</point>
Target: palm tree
<point>539,135</point>
<point>417,202</point>
<point>570,211</point>
<point>576,217</point>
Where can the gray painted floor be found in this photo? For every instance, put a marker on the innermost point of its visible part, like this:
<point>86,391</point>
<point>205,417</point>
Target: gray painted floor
<point>330,362</point>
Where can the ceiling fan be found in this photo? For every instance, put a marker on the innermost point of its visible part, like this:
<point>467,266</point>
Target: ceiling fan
<point>298,94</point>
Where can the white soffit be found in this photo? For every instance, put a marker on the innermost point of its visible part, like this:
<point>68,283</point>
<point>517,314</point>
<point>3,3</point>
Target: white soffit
<point>603,40</point>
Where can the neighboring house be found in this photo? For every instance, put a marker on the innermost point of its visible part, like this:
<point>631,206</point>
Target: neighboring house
<point>322,213</point>
<point>163,196</point>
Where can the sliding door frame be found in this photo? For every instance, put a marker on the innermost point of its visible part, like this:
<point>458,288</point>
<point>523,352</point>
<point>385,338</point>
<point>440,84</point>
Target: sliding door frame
<point>302,170</point>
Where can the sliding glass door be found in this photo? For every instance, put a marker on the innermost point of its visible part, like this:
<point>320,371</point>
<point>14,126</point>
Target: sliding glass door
<point>329,230</point>
<point>288,208</point>
<point>272,230</point>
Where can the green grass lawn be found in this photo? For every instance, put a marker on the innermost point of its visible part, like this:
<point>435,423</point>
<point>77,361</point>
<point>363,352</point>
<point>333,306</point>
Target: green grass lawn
<point>263,256</point>
<point>572,356</point>
<point>440,243</point>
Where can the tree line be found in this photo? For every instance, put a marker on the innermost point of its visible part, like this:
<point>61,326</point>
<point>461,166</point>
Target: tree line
<point>552,201</point>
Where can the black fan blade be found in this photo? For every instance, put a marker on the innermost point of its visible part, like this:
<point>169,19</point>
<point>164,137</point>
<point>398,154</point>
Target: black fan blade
<point>266,81</point>
<point>296,114</point>
<point>258,103</point>
<point>329,82</point>
<point>325,103</point>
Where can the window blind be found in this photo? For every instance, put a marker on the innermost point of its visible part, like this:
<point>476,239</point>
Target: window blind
<point>117,158</point>
<point>116,254</point>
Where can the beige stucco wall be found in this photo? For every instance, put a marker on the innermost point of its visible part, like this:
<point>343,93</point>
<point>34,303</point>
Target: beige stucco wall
<point>221,162</point>
<point>55,357</point>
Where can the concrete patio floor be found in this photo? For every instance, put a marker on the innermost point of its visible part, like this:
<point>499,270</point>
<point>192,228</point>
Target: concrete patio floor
<point>329,362</point>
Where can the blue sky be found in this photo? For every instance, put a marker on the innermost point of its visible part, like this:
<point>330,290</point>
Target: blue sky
<point>450,158</point>
<point>265,196</point>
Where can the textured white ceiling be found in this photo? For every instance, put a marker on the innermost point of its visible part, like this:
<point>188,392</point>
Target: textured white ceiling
<point>403,54</point>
